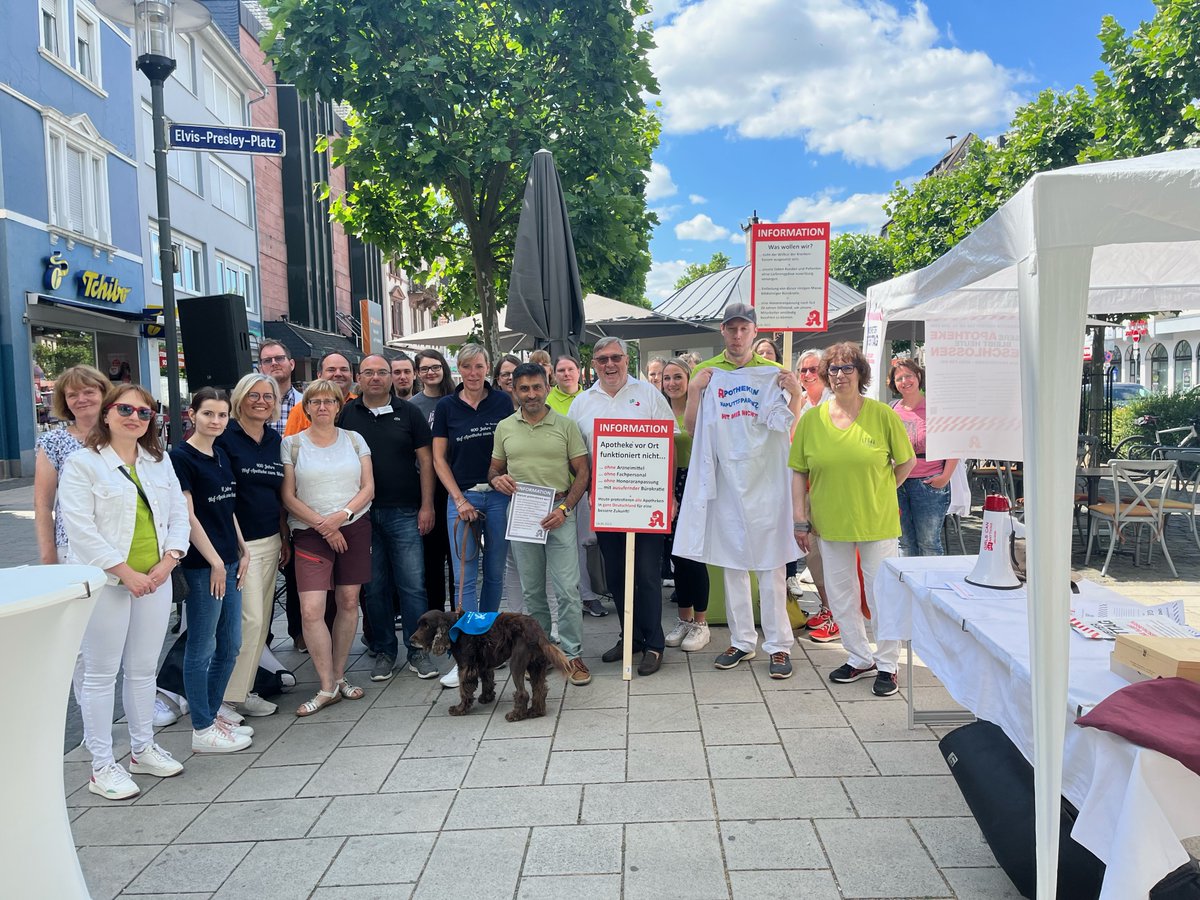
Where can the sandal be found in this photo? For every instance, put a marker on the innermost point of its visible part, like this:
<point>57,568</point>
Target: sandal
<point>348,690</point>
<point>319,702</point>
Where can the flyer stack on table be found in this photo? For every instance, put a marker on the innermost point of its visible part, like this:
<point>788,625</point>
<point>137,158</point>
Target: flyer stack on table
<point>1135,805</point>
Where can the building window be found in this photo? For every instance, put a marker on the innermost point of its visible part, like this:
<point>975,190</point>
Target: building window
<point>1158,369</point>
<point>54,38</point>
<point>1135,364</point>
<point>235,277</point>
<point>1183,366</point>
<point>185,63</point>
<point>189,262</point>
<point>222,99</point>
<point>230,192</point>
<point>87,44</point>
<point>78,177</point>
<point>183,166</point>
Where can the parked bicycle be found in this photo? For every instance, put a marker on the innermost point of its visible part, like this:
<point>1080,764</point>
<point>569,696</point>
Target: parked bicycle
<point>1140,446</point>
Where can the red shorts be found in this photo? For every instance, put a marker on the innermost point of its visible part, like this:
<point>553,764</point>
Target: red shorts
<point>319,568</point>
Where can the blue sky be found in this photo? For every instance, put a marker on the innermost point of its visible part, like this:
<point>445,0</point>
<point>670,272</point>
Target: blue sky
<point>810,110</point>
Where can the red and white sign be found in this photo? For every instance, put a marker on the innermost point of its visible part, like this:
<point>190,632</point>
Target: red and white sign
<point>1135,330</point>
<point>789,276</point>
<point>633,474</point>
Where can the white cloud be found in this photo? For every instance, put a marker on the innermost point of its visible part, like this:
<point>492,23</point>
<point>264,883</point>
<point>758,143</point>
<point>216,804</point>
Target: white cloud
<point>700,228</point>
<point>665,213</point>
<point>660,280</point>
<point>696,199</point>
<point>858,212</point>
<point>659,183</point>
<point>860,79</point>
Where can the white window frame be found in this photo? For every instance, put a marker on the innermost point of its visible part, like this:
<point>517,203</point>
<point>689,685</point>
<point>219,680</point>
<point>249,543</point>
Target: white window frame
<point>220,96</point>
<point>177,160</point>
<point>187,250</point>
<point>58,10</point>
<point>224,177</point>
<point>92,221</point>
<point>243,278</point>
<point>185,63</point>
<point>85,14</point>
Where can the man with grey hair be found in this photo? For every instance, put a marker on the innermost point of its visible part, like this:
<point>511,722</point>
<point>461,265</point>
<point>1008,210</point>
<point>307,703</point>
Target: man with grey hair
<point>617,395</point>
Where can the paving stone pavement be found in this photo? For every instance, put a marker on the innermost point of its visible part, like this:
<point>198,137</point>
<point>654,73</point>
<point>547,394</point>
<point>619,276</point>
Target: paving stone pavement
<point>691,783</point>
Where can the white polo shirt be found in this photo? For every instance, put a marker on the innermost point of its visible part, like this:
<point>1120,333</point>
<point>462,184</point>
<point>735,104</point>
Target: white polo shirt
<point>635,400</point>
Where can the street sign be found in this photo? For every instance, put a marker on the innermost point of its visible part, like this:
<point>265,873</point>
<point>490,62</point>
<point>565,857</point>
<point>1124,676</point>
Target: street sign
<point>225,139</point>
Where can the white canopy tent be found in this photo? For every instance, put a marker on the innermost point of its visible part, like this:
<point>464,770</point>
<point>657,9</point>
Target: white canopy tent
<point>1110,237</point>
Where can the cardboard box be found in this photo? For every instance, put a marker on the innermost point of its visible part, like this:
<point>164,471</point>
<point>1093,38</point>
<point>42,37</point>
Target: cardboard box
<point>1159,657</point>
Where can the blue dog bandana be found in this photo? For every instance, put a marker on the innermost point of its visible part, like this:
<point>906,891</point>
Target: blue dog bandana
<point>473,623</point>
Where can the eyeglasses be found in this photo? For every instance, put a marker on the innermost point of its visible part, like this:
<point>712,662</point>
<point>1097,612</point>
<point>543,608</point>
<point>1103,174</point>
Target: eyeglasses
<point>606,360</point>
<point>323,401</point>
<point>843,370</point>
<point>810,370</point>
<point>429,370</point>
<point>373,373</point>
<point>125,410</point>
<point>506,376</point>
<point>256,397</point>
<point>271,360</point>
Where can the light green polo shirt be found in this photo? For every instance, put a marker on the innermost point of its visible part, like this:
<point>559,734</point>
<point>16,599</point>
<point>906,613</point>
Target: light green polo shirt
<point>723,362</point>
<point>541,453</point>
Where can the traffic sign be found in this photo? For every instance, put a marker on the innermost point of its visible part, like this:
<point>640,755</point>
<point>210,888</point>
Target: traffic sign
<point>226,139</point>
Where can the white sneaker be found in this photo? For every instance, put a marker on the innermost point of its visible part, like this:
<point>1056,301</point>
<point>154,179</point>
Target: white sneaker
<point>255,705</point>
<point>113,783</point>
<point>697,637</point>
<point>164,712</point>
<point>225,725</point>
<point>450,679</point>
<point>154,760</point>
<point>806,576</point>
<point>795,586</point>
<point>229,714</point>
<point>681,630</point>
<point>215,739</point>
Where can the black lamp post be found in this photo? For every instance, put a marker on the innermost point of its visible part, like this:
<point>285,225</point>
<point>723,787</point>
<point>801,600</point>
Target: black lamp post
<point>155,23</point>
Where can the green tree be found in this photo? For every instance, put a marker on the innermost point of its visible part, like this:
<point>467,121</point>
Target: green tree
<point>450,101</point>
<point>719,262</point>
<point>860,260</point>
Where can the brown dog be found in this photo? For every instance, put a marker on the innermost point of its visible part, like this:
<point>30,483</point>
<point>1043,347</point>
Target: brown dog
<point>513,637</point>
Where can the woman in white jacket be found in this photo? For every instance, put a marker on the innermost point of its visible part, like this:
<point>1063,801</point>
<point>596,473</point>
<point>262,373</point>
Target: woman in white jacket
<point>124,512</point>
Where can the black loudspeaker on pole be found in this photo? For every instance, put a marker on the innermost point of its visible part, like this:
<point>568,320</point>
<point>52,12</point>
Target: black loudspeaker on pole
<point>216,340</point>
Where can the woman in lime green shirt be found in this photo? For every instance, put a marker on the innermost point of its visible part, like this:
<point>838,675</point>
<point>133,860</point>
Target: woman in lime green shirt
<point>848,456</point>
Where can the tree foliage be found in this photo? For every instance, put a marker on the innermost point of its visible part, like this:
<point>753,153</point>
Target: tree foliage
<point>860,260</point>
<point>718,263</point>
<point>450,100</point>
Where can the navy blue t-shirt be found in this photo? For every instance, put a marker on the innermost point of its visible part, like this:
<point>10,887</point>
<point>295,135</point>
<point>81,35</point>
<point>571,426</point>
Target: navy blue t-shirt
<point>470,432</point>
<point>211,481</point>
<point>394,439</point>
<point>258,469</point>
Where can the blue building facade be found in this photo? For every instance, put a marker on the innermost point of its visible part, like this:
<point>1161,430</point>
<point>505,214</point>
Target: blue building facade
<point>71,266</point>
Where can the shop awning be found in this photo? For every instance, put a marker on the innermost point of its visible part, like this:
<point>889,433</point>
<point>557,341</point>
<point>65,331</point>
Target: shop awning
<point>309,343</point>
<point>109,309</point>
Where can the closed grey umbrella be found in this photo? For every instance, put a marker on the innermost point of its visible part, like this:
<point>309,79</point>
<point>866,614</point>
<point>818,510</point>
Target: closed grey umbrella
<point>545,300</point>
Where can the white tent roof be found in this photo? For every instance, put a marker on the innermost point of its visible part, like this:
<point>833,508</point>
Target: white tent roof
<point>1118,236</point>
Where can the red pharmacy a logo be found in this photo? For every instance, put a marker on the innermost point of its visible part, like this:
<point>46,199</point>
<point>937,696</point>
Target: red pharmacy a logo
<point>657,519</point>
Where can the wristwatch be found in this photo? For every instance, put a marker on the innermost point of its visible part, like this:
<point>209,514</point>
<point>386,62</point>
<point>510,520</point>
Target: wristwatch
<point>349,513</point>
<point>802,527</point>
<point>565,510</point>
<point>176,555</point>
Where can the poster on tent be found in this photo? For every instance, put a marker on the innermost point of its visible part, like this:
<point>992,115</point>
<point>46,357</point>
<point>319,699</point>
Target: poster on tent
<point>789,276</point>
<point>874,327</point>
<point>973,388</point>
<point>633,475</point>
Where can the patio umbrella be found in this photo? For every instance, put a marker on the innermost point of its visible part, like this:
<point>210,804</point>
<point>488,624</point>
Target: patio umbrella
<point>545,300</point>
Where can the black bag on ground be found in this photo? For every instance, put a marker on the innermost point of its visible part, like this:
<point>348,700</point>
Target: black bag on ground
<point>997,783</point>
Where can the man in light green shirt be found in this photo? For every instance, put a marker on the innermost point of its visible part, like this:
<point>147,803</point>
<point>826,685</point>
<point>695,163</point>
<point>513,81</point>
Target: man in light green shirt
<point>536,445</point>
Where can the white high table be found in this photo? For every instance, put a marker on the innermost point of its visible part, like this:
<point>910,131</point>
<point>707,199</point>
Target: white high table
<point>43,613</point>
<point>1135,805</point>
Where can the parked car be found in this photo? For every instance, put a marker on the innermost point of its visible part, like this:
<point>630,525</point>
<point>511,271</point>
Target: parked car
<point>1123,392</point>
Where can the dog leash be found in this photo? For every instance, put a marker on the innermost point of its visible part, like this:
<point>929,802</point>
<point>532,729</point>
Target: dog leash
<point>467,533</point>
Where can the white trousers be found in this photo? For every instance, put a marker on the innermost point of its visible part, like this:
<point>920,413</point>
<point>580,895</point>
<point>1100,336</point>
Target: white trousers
<point>124,632</point>
<point>258,599</point>
<point>841,586</point>
<point>772,604</point>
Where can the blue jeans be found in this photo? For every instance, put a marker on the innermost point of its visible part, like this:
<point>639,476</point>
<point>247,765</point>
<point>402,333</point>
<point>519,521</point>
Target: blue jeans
<point>214,637</point>
<point>495,551</point>
<point>397,558</point>
<point>922,513</point>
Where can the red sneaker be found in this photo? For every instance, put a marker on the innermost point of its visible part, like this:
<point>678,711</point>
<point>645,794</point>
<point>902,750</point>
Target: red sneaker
<point>827,632</point>
<point>819,620</point>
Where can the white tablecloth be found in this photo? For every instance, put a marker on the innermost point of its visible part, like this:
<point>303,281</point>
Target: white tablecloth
<point>1135,805</point>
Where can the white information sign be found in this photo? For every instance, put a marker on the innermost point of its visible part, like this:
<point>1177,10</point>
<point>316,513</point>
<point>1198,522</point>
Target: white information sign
<point>973,388</point>
<point>789,278</point>
<point>526,510</point>
<point>633,470</point>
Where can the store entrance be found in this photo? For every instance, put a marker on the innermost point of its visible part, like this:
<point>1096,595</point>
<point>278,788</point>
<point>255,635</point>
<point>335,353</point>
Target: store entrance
<point>57,349</point>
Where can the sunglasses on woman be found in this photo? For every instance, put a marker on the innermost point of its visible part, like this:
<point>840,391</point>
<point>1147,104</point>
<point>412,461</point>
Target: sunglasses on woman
<point>125,410</point>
